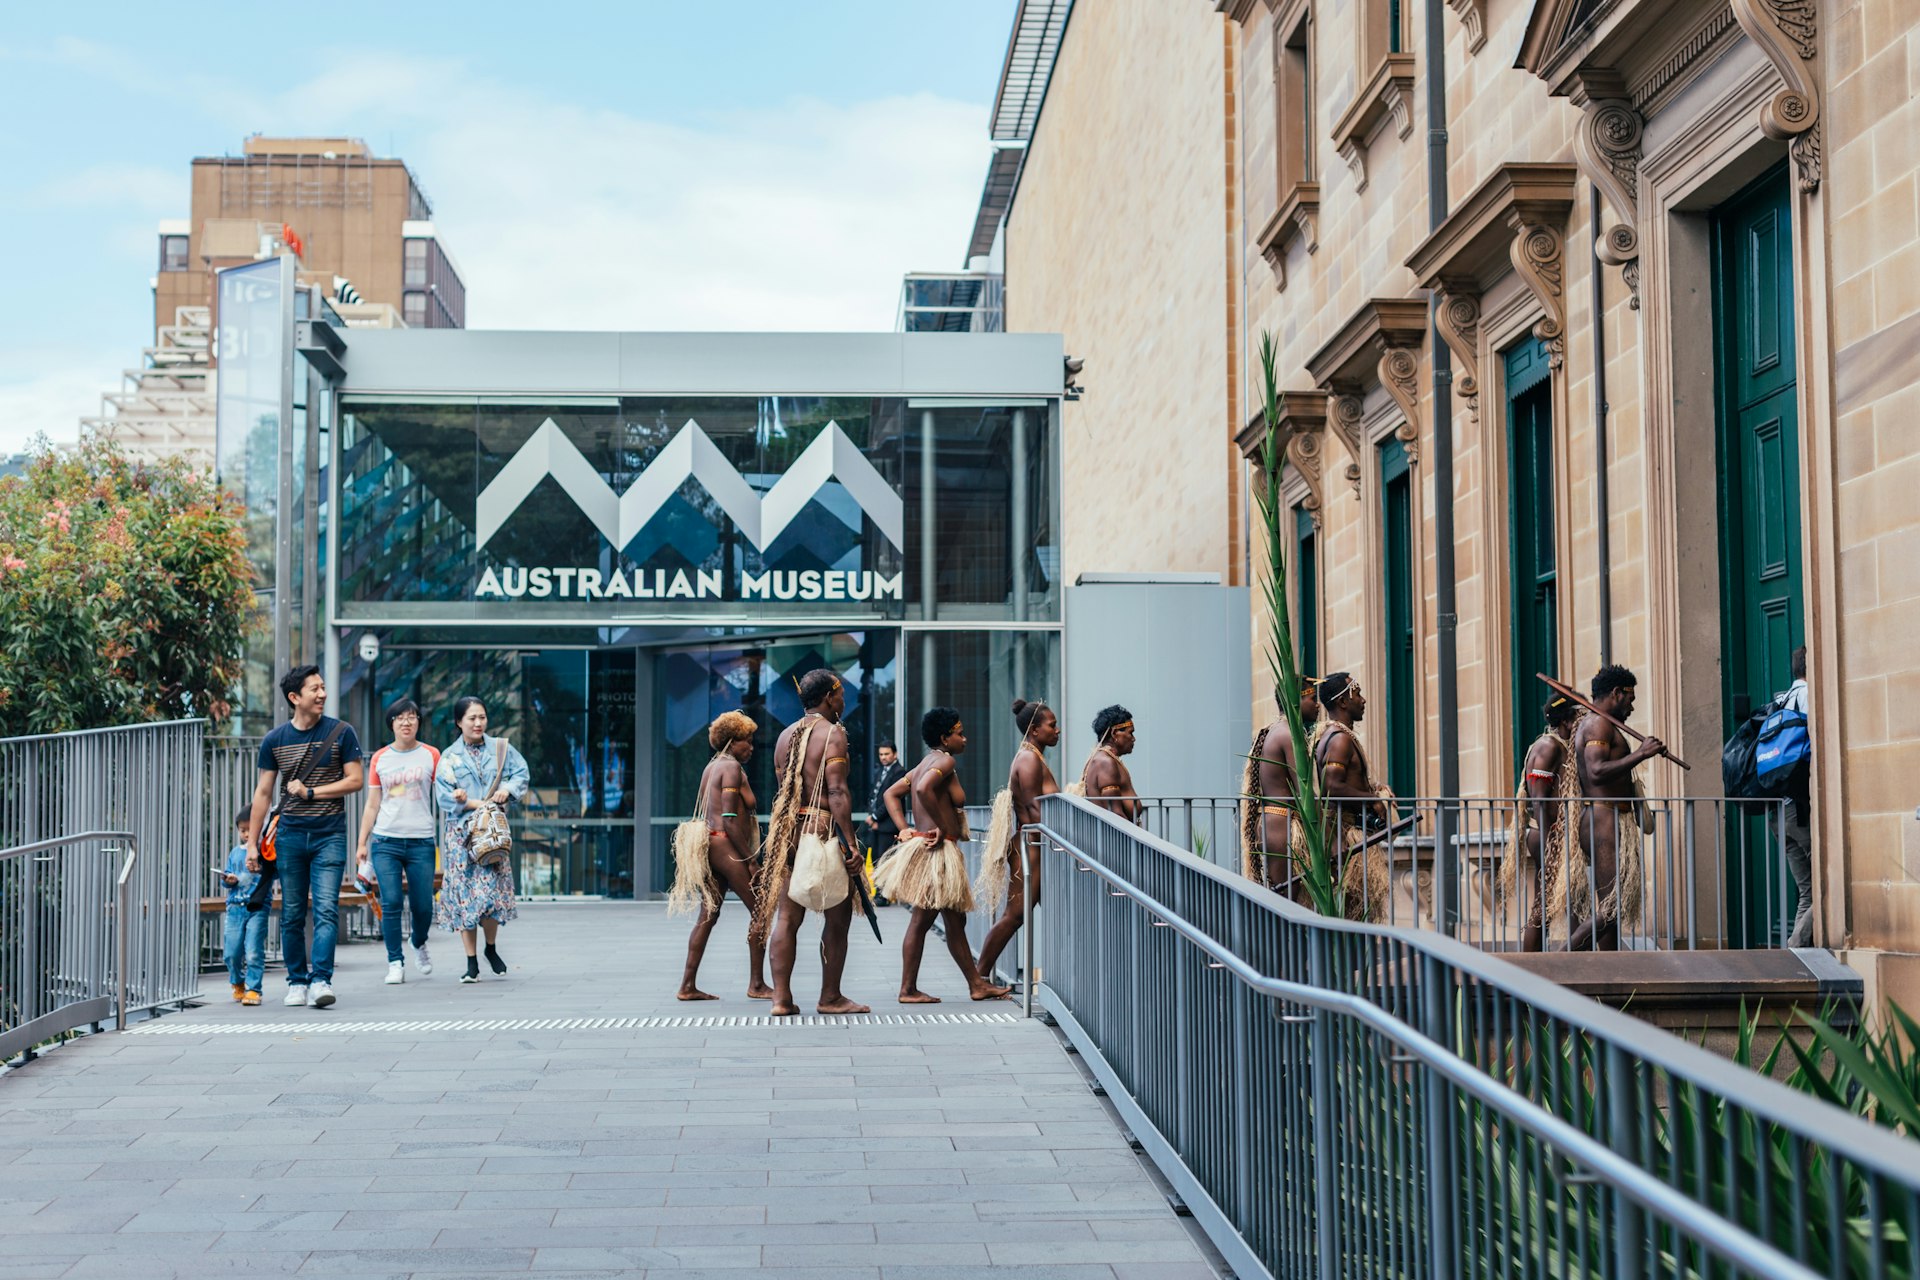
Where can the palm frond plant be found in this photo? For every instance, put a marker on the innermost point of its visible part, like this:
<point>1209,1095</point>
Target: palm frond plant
<point>1316,867</point>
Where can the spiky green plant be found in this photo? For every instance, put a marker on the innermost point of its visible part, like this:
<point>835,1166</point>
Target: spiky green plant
<point>1316,868</point>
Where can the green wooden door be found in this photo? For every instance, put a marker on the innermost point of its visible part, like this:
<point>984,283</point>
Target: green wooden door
<point>1396,507</point>
<point>1532,568</point>
<point>1762,614</point>
<point>1306,580</point>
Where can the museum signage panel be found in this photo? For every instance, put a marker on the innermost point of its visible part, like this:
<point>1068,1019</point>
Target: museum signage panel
<point>725,509</point>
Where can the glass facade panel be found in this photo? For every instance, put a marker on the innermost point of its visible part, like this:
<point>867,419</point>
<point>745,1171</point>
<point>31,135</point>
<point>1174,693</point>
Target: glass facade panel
<point>692,685</point>
<point>571,714</point>
<point>979,674</point>
<point>664,509</point>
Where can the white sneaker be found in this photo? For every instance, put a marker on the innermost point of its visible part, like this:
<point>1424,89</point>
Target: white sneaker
<point>322,994</point>
<point>421,958</point>
<point>296,995</point>
<point>396,973</point>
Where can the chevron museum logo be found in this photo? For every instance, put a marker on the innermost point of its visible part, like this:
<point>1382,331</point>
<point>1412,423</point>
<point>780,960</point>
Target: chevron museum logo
<point>690,455</point>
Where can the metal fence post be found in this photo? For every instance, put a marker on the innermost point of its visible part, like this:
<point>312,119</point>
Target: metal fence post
<point>120,940</point>
<point>1441,1112</point>
<point>1324,1164</point>
<point>1028,854</point>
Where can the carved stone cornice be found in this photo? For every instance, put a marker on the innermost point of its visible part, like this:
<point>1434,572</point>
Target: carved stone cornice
<point>1539,256</point>
<point>1787,31</point>
<point>1378,344</point>
<point>1387,95</point>
<point>1607,146</point>
<point>1473,16</point>
<point>1297,218</point>
<point>1476,246</point>
<point>1302,424</point>
<point>1237,10</point>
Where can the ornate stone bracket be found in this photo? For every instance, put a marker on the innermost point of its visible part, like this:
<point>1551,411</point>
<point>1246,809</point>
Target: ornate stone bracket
<point>1787,31</point>
<point>1346,410</point>
<point>1304,455</point>
<point>1607,147</point>
<point>1473,16</point>
<point>1539,256</point>
<point>1387,95</point>
<point>1399,371</point>
<point>1302,429</point>
<point>1378,343</point>
<point>1458,317</point>
<point>1297,218</point>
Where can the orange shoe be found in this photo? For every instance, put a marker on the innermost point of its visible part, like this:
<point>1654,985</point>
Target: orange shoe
<point>250,997</point>
<point>239,991</point>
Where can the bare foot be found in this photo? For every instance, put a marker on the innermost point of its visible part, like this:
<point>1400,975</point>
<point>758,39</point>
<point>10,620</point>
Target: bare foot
<point>759,991</point>
<point>984,990</point>
<point>784,1009</point>
<point>694,993</point>
<point>840,1004</point>
<point>913,995</point>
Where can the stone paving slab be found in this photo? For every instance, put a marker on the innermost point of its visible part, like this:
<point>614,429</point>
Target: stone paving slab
<point>571,1120</point>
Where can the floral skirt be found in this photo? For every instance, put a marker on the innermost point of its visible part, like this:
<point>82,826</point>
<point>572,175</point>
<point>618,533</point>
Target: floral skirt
<point>469,892</point>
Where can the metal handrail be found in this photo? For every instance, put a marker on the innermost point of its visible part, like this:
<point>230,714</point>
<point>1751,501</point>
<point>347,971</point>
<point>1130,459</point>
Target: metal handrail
<point>1636,1182</point>
<point>1389,972</point>
<point>122,882</point>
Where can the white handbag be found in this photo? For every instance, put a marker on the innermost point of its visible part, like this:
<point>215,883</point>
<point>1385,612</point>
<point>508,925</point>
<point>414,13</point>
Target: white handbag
<point>819,881</point>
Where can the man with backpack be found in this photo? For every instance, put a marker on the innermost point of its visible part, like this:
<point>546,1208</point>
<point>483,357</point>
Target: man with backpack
<point>300,837</point>
<point>1798,793</point>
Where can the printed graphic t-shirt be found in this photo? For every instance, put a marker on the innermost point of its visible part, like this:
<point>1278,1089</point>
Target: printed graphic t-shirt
<point>405,779</point>
<point>283,750</point>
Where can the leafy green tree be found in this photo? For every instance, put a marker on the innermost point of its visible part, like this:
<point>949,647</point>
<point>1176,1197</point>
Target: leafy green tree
<point>125,593</point>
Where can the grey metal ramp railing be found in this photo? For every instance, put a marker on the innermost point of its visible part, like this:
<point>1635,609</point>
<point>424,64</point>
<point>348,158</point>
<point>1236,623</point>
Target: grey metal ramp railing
<point>1339,1099</point>
<point>64,909</point>
<point>1713,872</point>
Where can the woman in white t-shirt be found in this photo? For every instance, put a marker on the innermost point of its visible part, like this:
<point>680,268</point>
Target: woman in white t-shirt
<point>397,835</point>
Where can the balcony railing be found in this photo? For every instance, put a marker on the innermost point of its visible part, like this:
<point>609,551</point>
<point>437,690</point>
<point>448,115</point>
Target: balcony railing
<point>1712,873</point>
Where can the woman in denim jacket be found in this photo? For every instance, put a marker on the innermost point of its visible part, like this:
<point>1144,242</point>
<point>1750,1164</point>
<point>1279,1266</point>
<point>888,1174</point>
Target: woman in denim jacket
<point>472,896</point>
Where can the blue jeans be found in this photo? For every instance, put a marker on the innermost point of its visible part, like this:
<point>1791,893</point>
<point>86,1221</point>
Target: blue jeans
<point>311,865</point>
<point>244,945</point>
<point>413,856</point>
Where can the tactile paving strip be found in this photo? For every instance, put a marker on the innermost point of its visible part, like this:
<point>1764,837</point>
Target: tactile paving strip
<point>324,1025</point>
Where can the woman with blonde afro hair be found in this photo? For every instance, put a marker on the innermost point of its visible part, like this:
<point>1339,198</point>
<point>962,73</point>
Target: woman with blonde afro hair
<point>713,853</point>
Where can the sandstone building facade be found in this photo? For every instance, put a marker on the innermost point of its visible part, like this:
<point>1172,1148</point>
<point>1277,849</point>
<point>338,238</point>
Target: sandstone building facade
<point>1673,271</point>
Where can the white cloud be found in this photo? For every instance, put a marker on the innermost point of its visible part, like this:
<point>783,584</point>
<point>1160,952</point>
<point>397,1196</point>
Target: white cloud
<point>561,217</point>
<point>50,395</point>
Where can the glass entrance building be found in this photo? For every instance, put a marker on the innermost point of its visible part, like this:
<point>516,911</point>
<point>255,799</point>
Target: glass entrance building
<point>611,538</point>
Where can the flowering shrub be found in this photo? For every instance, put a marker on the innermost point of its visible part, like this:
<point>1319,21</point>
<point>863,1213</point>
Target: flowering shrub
<point>125,593</point>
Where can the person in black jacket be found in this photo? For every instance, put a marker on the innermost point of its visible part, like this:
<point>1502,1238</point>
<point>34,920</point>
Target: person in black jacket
<point>881,833</point>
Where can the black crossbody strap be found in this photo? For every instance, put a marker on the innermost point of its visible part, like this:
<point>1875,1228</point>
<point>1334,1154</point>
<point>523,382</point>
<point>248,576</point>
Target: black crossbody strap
<point>299,773</point>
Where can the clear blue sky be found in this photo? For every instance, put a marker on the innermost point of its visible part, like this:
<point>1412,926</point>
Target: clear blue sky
<point>753,165</point>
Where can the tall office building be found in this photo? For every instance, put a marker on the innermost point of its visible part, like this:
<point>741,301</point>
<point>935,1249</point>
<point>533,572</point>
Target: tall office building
<point>352,214</point>
<point>347,214</point>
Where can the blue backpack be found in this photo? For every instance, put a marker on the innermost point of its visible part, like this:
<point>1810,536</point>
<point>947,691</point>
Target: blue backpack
<point>1782,746</point>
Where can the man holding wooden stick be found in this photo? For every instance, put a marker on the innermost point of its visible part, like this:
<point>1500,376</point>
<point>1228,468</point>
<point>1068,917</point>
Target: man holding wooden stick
<point>1610,831</point>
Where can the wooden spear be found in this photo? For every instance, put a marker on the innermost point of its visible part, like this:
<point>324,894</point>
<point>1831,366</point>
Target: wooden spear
<point>1567,691</point>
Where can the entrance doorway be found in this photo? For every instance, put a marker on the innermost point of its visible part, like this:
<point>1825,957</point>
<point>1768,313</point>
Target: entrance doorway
<point>1762,610</point>
<point>688,685</point>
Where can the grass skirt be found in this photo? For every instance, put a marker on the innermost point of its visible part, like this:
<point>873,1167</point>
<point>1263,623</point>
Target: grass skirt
<point>693,884</point>
<point>997,854</point>
<point>927,874</point>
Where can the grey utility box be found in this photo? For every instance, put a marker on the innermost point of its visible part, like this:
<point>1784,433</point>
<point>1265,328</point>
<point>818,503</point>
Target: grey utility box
<point>1176,650</point>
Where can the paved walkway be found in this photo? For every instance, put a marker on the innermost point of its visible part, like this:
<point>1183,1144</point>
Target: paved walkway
<point>573,1119</point>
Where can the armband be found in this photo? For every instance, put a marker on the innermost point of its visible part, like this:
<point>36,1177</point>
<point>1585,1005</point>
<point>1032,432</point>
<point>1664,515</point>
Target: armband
<point>1108,790</point>
<point>836,760</point>
<point>1541,774</point>
<point>729,815</point>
